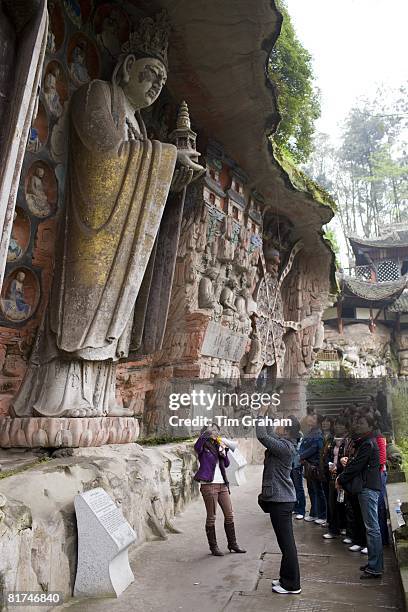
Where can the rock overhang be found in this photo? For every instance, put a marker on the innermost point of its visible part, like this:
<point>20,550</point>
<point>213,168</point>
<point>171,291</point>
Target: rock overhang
<point>218,55</point>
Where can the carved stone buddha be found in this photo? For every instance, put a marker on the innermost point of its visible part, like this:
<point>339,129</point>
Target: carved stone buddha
<point>117,186</point>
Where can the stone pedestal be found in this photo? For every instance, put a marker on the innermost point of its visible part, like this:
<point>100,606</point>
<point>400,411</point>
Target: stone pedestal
<point>50,432</point>
<point>104,536</point>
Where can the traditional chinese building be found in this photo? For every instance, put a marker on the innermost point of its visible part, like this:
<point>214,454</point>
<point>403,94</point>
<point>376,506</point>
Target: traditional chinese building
<point>366,331</point>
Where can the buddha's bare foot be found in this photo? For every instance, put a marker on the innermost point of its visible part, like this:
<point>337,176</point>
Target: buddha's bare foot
<point>120,411</point>
<point>83,412</point>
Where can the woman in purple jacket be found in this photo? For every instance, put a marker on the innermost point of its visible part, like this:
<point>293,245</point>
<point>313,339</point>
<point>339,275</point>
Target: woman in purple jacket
<point>212,451</point>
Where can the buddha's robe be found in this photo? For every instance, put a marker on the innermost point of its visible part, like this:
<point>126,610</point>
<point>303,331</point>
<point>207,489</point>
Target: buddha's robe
<point>114,205</point>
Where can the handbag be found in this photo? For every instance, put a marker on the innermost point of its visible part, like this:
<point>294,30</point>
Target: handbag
<point>264,504</point>
<point>312,472</point>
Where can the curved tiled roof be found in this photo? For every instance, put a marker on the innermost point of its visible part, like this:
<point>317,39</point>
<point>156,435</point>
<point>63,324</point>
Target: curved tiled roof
<point>400,304</point>
<point>373,292</point>
<point>394,239</point>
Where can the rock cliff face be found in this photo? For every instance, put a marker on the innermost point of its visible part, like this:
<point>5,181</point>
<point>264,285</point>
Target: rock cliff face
<point>242,221</point>
<point>38,538</point>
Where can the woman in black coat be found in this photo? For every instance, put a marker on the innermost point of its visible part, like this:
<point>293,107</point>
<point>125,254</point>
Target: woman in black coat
<point>361,477</point>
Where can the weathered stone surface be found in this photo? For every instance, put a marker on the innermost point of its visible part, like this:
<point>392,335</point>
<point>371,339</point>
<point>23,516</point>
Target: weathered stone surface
<point>38,544</point>
<point>362,354</point>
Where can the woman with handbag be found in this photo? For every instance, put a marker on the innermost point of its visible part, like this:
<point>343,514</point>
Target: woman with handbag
<point>361,477</point>
<point>278,499</point>
<point>356,537</point>
<point>336,516</point>
<point>212,452</point>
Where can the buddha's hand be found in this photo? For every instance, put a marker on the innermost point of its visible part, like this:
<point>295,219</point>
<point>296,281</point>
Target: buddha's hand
<point>186,172</point>
<point>126,147</point>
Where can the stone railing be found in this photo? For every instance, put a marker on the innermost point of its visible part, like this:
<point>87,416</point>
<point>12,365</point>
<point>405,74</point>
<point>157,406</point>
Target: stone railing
<point>381,272</point>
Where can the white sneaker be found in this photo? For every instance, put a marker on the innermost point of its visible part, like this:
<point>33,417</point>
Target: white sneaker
<point>329,536</point>
<point>364,551</point>
<point>276,582</point>
<point>343,532</point>
<point>355,548</point>
<point>310,519</point>
<point>320,521</point>
<point>347,541</point>
<point>279,589</point>
<point>299,517</point>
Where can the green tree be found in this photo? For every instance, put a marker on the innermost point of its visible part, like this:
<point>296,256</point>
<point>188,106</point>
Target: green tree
<point>331,237</point>
<point>367,175</point>
<point>290,70</point>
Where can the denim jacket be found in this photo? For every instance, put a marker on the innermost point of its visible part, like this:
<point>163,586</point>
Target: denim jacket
<point>311,446</point>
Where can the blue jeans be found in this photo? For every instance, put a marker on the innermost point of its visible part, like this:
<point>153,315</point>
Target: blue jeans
<point>382,510</point>
<point>297,479</point>
<point>368,499</point>
<point>317,498</point>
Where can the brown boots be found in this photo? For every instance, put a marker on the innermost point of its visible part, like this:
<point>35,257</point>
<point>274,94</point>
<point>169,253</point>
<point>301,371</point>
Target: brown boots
<point>232,540</point>
<point>212,541</point>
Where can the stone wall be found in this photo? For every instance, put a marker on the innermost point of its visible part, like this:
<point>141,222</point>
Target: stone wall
<point>38,540</point>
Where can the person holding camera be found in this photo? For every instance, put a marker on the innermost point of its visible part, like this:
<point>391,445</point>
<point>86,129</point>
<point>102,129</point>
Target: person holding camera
<point>278,498</point>
<point>212,452</point>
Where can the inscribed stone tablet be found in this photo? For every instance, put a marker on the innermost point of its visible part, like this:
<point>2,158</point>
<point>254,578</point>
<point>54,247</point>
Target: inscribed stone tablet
<point>104,536</point>
<point>221,342</point>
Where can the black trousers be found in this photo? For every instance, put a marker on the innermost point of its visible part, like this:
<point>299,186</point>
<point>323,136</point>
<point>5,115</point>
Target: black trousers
<point>281,519</point>
<point>358,530</point>
<point>336,516</point>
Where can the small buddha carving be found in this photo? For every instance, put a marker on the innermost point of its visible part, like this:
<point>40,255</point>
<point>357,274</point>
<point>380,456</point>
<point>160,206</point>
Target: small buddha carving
<point>206,290</point>
<point>240,305</point>
<point>37,199</point>
<point>51,94</point>
<point>227,297</point>
<point>254,358</point>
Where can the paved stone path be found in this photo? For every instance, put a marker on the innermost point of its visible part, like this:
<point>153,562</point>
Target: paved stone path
<point>179,574</point>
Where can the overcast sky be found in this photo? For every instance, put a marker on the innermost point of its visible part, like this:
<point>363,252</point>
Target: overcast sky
<point>356,45</point>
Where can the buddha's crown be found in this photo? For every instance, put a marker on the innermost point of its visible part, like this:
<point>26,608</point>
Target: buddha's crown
<point>151,38</point>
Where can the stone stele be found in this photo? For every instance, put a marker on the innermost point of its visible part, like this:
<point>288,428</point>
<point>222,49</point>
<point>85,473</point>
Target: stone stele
<point>220,342</point>
<point>104,536</point>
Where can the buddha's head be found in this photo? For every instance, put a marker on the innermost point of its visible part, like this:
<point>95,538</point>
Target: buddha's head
<point>141,70</point>
<point>142,80</point>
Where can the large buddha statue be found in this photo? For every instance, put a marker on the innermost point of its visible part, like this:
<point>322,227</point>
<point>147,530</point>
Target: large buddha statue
<point>117,186</point>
